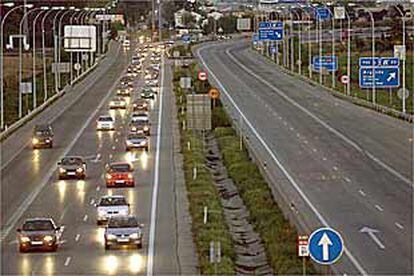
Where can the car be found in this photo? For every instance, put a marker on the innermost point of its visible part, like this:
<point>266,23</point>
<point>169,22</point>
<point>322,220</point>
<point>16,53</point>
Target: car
<point>137,141</point>
<point>40,233</point>
<point>140,105</point>
<point>140,127</point>
<point>123,92</point>
<point>152,82</point>
<point>126,80</point>
<point>111,206</point>
<point>135,60</point>
<point>147,94</point>
<point>140,116</point>
<point>42,136</point>
<point>72,167</point>
<point>119,174</point>
<point>105,122</point>
<point>126,43</point>
<point>123,230</point>
<point>118,103</point>
<point>152,87</point>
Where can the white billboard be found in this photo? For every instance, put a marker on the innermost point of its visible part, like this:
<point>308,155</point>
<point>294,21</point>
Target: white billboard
<point>243,24</point>
<point>80,38</point>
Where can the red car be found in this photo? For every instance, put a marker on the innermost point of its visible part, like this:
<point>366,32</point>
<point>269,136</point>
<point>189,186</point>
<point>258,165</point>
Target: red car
<point>119,174</point>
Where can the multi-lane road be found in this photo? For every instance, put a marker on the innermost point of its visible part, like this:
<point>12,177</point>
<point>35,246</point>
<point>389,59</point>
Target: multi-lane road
<point>30,188</point>
<point>338,164</point>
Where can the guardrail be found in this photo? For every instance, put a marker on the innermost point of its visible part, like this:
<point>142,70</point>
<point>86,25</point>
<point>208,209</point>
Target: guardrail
<point>22,121</point>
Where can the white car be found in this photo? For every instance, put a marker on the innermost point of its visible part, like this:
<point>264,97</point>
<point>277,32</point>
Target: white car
<point>126,43</point>
<point>118,103</point>
<point>140,116</point>
<point>111,206</point>
<point>105,122</point>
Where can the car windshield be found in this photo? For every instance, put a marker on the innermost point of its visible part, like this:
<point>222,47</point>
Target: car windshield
<point>72,161</point>
<point>112,201</point>
<point>136,136</point>
<point>122,222</point>
<point>105,119</point>
<point>139,124</point>
<point>38,225</point>
<point>41,133</point>
<point>120,168</point>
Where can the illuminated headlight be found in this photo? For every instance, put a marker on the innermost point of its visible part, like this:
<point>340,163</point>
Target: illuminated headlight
<point>134,129</point>
<point>135,105</point>
<point>101,213</point>
<point>111,237</point>
<point>62,170</point>
<point>135,235</point>
<point>143,143</point>
<point>129,143</point>
<point>130,175</point>
<point>24,239</point>
<point>146,128</point>
<point>112,103</point>
<point>79,170</point>
<point>144,105</point>
<point>35,141</point>
<point>48,238</point>
<point>47,140</point>
<point>108,176</point>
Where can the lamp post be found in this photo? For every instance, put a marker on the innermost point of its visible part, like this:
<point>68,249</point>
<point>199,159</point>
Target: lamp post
<point>348,59</point>
<point>20,108</point>
<point>59,44</point>
<point>3,20</point>
<point>71,53</point>
<point>373,56</point>
<point>34,56</point>
<point>56,46</point>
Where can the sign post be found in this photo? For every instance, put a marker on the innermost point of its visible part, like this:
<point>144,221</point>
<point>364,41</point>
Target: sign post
<point>379,72</point>
<point>325,246</point>
<point>303,250</point>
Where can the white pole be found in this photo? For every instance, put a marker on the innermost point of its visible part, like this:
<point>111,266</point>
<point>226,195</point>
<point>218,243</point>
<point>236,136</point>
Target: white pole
<point>34,60</point>
<point>373,57</point>
<point>403,60</point>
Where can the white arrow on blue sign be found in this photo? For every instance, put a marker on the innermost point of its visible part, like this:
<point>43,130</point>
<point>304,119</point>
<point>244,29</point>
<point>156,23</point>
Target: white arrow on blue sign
<point>325,246</point>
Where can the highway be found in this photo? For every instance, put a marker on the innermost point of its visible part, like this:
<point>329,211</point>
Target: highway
<point>29,185</point>
<point>340,165</point>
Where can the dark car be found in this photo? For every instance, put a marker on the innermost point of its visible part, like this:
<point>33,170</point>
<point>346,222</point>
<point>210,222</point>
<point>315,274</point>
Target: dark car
<point>123,230</point>
<point>140,105</point>
<point>119,174</point>
<point>147,94</point>
<point>42,136</point>
<point>72,167</point>
<point>39,234</point>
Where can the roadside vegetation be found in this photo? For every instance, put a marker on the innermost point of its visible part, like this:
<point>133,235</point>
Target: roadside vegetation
<point>202,193</point>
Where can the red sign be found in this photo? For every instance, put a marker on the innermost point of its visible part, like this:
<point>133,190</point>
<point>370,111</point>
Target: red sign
<point>202,76</point>
<point>344,79</point>
<point>303,250</point>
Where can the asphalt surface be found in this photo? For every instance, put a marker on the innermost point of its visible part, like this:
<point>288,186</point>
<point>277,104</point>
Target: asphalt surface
<point>338,164</point>
<point>30,187</point>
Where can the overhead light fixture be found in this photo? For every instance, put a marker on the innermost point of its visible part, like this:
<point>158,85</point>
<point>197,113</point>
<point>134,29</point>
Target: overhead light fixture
<point>9,4</point>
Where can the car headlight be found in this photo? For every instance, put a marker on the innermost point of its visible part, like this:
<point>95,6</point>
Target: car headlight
<point>130,175</point>
<point>35,141</point>
<point>62,170</point>
<point>108,176</point>
<point>144,105</point>
<point>48,238</point>
<point>146,128</point>
<point>129,143</point>
<point>101,213</point>
<point>24,239</point>
<point>111,237</point>
<point>134,129</point>
<point>143,143</point>
<point>79,170</point>
<point>111,103</point>
<point>135,235</point>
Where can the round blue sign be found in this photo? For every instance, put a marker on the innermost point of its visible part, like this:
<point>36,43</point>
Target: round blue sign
<point>325,246</point>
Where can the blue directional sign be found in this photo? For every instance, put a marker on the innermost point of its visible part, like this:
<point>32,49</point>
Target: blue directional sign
<point>255,37</point>
<point>325,246</point>
<point>270,25</point>
<point>270,34</point>
<point>186,38</point>
<point>330,63</point>
<point>323,13</point>
<point>273,49</point>
<point>381,72</point>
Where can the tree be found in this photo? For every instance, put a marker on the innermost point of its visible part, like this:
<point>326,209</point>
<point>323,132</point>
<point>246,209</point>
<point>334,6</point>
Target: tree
<point>168,10</point>
<point>189,20</point>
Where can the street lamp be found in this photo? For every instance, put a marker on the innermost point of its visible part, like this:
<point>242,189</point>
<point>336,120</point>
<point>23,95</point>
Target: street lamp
<point>20,110</point>
<point>71,53</point>
<point>57,68</point>
<point>29,6</point>
<point>56,46</point>
<point>373,56</point>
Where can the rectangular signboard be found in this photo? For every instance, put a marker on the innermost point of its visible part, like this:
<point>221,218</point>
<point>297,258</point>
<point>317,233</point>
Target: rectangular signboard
<point>330,63</point>
<point>243,24</point>
<point>379,61</point>
<point>80,38</point>
<point>26,87</point>
<point>105,17</point>
<point>271,24</point>
<point>385,77</point>
<point>270,34</point>
<point>323,14</point>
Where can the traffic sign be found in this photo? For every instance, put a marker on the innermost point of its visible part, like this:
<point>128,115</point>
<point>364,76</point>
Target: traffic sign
<point>202,76</point>
<point>403,93</point>
<point>303,249</point>
<point>345,79</point>
<point>77,66</point>
<point>323,13</point>
<point>273,49</point>
<point>385,69</point>
<point>214,93</point>
<point>271,34</point>
<point>327,63</point>
<point>271,25</point>
<point>325,246</point>
<point>339,12</point>
<point>400,52</point>
<point>186,38</point>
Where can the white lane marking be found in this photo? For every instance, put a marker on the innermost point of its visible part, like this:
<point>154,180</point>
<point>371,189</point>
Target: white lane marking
<point>113,148</point>
<point>323,123</point>
<point>347,179</point>
<point>324,158</point>
<point>335,168</point>
<point>68,261</point>
<point>92,201</point>
<point>98,157</point>
<point>399,225</point>
<point>379,208</point>
<point>150,259</point>
<point>77,237</point>
<point>110,156</point>
<point>85,218</point>
<point>98,188</point>
<point>278,163</point>
<point>362,193</point>
<point>315,150</point>
<point>11,222</point>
